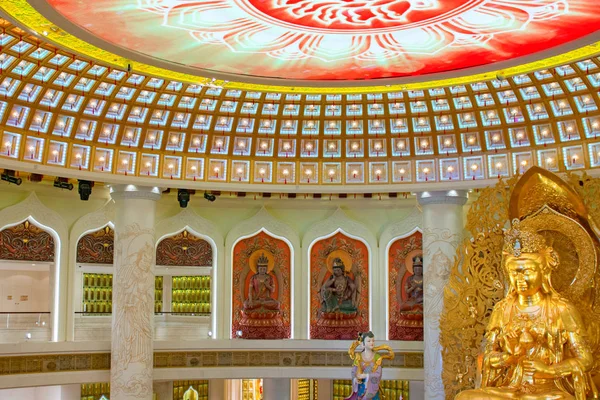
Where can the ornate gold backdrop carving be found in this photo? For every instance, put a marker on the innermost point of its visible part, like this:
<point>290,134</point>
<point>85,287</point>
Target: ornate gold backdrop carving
<point>97,247</point>
<point>184,249</point>
<point>26,242</point>
<point>566,214</point>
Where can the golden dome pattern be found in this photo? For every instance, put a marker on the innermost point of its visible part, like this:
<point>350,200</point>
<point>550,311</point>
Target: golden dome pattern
<point>62,110</point>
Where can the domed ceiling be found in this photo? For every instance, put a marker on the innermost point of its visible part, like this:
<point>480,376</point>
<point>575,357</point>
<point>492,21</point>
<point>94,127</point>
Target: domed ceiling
<point>313,40</point>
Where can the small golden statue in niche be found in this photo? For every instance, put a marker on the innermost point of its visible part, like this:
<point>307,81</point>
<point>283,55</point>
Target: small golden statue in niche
<point>536,345</point>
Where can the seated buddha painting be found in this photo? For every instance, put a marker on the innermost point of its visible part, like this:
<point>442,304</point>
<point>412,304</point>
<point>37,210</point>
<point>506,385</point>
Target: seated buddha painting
<point>405,280</point>
<point>339,288</point>
<point>261,288</point>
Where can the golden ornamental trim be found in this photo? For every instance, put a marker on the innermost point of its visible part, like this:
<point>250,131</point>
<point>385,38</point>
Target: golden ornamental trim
<point>51,363</point>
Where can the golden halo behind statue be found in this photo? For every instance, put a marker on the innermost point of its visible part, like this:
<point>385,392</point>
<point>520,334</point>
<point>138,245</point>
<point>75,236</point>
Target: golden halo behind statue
<point>342,255</point>
<point>256,255</point>
<point>408,261</point>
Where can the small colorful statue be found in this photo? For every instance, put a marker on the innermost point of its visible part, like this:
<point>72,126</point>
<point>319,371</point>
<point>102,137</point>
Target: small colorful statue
<point>367,370</point>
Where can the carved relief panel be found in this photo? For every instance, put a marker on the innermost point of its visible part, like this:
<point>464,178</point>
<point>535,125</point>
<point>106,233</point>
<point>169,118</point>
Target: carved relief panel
<point>97,247</point>
<point>26,242</point>
<point>339,288</point>
<point>261,305</point>
<point>184,250</point>
<point>405,280</point>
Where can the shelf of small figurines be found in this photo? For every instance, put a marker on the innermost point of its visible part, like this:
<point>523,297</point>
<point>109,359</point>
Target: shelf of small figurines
<point>191,295</point>
<point>304,389</point>
<point>97,293</point>
<point>98,296</point>
<point>181,387</point>
<point>95,391</point>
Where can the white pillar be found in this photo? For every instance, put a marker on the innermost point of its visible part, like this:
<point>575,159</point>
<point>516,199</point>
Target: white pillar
<point>163,390</point>
<point>233,389</point>
<point>277,389</point>
<point>442,233</point>
<point>133,293</point>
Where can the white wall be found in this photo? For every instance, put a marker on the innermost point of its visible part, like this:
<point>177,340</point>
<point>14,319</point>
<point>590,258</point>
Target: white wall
<point>33,393</point>
<point>15,283</point>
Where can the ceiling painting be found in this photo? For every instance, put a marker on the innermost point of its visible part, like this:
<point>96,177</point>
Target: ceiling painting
<point>334,39</point>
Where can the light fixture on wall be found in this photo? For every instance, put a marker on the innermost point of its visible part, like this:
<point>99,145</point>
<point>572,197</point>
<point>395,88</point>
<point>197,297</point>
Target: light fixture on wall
<point>85,189</point>
<point>239,334</point>
<point>210,334</point>
<point>183,197</point>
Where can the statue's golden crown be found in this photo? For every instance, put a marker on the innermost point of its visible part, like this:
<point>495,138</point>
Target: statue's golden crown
<point>262,260</point>
<point>518,240</point>
<point>337,262</point>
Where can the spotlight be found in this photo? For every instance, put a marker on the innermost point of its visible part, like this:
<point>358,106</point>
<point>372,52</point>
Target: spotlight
<point>9,176</point>
<point>63,183</point>
<point>183,197</point>
<point>28,335</point>
<point>210,197</point>
<point>210,333</point>
<point>239,334</point>
<point>85,189</point>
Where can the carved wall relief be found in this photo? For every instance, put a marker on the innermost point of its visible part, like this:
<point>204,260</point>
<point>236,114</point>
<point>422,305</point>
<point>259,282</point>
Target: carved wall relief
<point>339,288</point>
<point>261,305</point>
<point>26,242</point>
<point>97,247</point>
<point>184,250</point>
<point>405,279</point>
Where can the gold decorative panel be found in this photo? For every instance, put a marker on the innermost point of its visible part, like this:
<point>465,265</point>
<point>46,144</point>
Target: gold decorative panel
<point>184,250</point>
<point>97,247</point>
<point>26,242</point>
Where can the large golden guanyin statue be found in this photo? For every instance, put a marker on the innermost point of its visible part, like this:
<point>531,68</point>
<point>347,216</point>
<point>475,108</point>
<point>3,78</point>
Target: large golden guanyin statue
<point>536,344</point>
<point>521,313</point>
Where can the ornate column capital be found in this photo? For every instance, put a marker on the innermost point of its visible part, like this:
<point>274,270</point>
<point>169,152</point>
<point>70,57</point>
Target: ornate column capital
<point>457,197</point>
<point>118,192</point>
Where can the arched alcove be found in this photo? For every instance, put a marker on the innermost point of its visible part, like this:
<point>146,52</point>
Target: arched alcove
<point>91,251</point>
<point>32,211</point>
<point>340,237</point>
<point>264,222</point>
<point>189,246</point>
<point>395,240</point>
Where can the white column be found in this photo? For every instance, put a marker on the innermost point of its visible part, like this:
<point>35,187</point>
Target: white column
<point>133,293</point>
<point>442,233</point>
<point>233,389</point>
<point>163,390</point>
<point>277,389</point>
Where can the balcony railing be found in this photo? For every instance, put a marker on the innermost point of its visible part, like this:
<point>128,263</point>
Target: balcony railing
<point>25,326</point>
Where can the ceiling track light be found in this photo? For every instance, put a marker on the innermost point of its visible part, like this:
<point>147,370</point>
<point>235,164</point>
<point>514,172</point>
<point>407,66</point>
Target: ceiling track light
<point>9,176</point>
<point>183,197</point>
<point>210,197</point>
<point>63,183</point>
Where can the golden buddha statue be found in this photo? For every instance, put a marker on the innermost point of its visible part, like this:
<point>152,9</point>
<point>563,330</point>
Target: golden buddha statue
<point>536,345</point>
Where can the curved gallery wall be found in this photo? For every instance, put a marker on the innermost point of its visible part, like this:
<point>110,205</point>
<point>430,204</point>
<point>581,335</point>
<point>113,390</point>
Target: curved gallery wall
<point>212,257</point>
